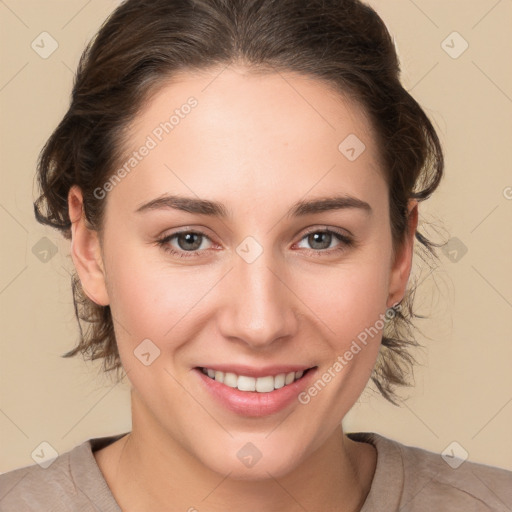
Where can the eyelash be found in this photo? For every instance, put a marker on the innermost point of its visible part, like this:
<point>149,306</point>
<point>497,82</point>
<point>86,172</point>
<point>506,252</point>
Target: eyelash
<point>346,242</point>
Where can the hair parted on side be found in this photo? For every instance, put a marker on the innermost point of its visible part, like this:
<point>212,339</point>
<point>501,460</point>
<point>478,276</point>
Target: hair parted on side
<point>143,43</point>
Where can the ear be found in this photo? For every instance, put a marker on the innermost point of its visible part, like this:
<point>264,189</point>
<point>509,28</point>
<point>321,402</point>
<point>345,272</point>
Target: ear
<point>86,251</point>
<point>402,264</point>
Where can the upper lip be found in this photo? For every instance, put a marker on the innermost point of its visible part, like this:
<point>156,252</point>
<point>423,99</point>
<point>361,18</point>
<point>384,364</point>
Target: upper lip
<point>252,371</point>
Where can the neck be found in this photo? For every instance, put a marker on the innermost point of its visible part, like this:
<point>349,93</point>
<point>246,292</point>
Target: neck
<point>153,471</point>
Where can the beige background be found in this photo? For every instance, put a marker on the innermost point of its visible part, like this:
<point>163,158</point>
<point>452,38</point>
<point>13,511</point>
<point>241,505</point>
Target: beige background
<point>463,389</point>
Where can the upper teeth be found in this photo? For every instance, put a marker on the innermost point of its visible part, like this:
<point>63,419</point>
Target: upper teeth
<point>259,384</point>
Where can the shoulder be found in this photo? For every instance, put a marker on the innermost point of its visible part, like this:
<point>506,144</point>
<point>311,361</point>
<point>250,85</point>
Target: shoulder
<point>413,479</point>
<point>453,483</point>
<point>73,481</point>
<point>34,488</point>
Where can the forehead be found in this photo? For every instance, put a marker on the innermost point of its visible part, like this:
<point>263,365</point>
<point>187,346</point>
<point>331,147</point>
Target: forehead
<point>245,99</point>
<point>227,130</point>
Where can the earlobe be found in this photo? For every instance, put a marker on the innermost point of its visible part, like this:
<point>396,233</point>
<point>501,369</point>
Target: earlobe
<point>402,264</point>
<point>86,251</point>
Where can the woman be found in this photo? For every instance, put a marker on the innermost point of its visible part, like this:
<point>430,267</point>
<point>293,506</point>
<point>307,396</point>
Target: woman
<point>240,181</point>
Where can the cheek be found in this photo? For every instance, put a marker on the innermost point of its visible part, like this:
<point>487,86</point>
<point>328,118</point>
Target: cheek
<point>142,299</point>
<point>347,299</point>
<point>350,302</point>
<point>351,307</point>
<point>151,299</point>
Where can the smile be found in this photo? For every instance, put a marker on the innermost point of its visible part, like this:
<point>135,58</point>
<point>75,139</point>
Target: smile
<point>264,384</point>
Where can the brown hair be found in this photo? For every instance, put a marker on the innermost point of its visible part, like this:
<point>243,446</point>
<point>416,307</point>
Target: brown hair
<point>143,43</point>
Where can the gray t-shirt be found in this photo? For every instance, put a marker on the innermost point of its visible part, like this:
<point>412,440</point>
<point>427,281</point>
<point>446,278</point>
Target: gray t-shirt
<point>406,479</point>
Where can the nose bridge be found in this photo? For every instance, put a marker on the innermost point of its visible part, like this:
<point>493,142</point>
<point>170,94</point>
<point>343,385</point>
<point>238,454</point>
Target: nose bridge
<point>258,307</point>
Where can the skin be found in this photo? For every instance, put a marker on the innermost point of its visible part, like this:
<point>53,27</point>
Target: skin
<point>257,144</point>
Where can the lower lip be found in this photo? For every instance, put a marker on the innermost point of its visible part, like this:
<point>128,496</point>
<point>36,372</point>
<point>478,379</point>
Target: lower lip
<point>252,403</point>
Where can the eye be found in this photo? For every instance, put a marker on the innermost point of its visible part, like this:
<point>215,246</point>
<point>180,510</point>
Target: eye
<point>190,242</point>
<point>320,240</point>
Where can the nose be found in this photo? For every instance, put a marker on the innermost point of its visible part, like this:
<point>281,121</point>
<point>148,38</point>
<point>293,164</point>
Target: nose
<point>257,306</point>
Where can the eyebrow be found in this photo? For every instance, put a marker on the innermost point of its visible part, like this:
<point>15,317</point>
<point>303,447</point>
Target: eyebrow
<point>216,209</point>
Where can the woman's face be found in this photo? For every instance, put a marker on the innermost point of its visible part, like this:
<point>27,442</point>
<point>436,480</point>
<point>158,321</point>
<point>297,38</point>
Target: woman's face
<point>268,281</point>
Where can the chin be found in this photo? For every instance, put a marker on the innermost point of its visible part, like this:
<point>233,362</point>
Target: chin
<point>262,470</point>
<point>245,461</point>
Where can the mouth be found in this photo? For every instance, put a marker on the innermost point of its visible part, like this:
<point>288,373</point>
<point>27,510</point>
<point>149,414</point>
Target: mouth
<point>251,392</point>
<point>262,384</point>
